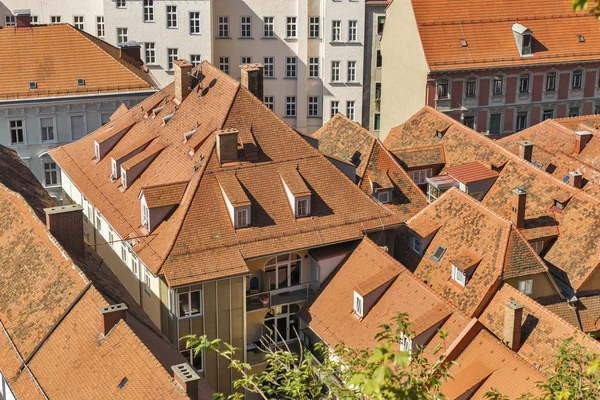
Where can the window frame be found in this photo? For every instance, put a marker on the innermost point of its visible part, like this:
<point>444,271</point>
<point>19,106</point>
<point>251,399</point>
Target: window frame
<point>224,64</point>
<point>122,35</point>
<point>306,210</point>
<point>147,282</point>
<point>188,294</point>
<point>471,87</point>
<point>172,55</point>
<point>150,53</point>
<point>579,73</point>
<point>524,83</point>
<point>421,175</point>
<point>269,70</point>
<point>223,27</point>
<point>291,108</point>
<point>525,286</point>
<point>268,27</point>
<point>313,67</point>
<point>351,110</point>
<point>497,82</point>
<point>554,75</point>
<point>195,22</point>
<point>458,276</point>
<point>245,27</point>
<point>291,67</point>
<point>416,245</point>
<point>10,20</point>
<point>148,11</point>
<point>241,218</point>
<point>353,31</point>
<point>351,72</point>
<point>314,27</point>
<point>55,170</point>
<point>53,132</point>
<point>335,107</point>
<point>172,17</point>
<point>520,122</point>
<point>387,198</point>
<point>443,88</point>
<point>291,28</point>
<point>358,305</point>
<point>313,106</point>
<point>21,128</point>
<point>269,102</point>
<point>121,3</point>
<point>100,32</point>
<point>76,23</point>
<point>336,31</point>
<point>335,71</point>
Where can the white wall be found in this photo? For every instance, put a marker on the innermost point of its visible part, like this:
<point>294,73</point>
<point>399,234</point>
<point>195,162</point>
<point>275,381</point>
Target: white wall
<point>66,9</point>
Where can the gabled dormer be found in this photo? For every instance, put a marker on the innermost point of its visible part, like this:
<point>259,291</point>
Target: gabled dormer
<point>237,202</point>
<point>297,193</point>
<point>370,290</point>
<point>464,265</point>
<point>523,39</point>
<point>133,168</point>
<point>119,157</point>
<point>382,187</point>
<point>156,202</point>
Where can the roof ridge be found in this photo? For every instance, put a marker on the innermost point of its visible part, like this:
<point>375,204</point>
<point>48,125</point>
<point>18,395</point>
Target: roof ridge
<point>496,20</point>
<point>165,184</point>
<point>531,250</point>
<point>403,171</point>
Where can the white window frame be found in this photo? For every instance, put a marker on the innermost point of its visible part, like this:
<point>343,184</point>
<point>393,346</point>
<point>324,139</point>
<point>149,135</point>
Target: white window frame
<point>313,106</point>
<point>124,253</point>
<point>269,63</point>
<point>416,245</point>
<point>268,27</point>
<point>145,216</point>
<point>420,176</point>
<point>496,79</point>
<point>524,83</point>
<point>383,196</point>
<point>245,60</point>
<point>335,71</point>
<point>224,64</point>
<point>195,25</point>
<point>302,212</point>
<point>150,53</point>
<point>291,67</point>
<point>521,123</point>
<point>270,102</point>
<point>10,20</point>
<point>246,27</point>
<point>148,6</point>
<point>121,3</point>
<point>353,31</point>
<point>405,343</point>
<point>291,28</point>
<point>336,31</point>
<point>223,27</point>
<point>526,286</point>
<point>44,129</point>
<point>51,170</point>
<point>314,28</point>
<point>172,55</point>
<point>172,19</point>
<point>579,72</point>
<point>135,265</point>
<point>55,19</point>
<point>78,22</point>
<point>16,129</point>
<point>554,76</point>
<point>147,282</point>
<point>538,246</point>
<point>351,72</point>
<point>111,237</point>
<point>458,276</point>
<point>290,106</point>
<point>335,107</point>
<point>241,218</point>
<point>122,35</point>
<point>100,26</point>
<point>188,294</point>
<point>195,59</point>
<point>313,67</point>
<point>290,264</point>
<point>359,305</point>
<point>351,109</point>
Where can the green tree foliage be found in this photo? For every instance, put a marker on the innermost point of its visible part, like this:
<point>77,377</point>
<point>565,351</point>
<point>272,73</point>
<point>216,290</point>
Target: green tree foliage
<point>591,6</point>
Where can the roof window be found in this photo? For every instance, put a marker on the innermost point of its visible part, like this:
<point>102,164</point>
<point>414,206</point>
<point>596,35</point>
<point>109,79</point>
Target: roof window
<point>80,82</point>
<point>580,38</point>
<point>439,253</point>
<point>463,266</point>
<point>463,42</point>
<point>358,304</point>
<point>297,192</point>
<point>33,85</point>
<point>236,201</point>
<point>523,39</point>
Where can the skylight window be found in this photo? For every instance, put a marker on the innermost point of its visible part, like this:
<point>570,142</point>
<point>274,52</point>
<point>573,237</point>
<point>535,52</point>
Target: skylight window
<point>122,383</point>
<point>580,38</point>
<point>33,85</point>
<point>439,253</point>
<point>566,178</point>
<point>167,118</point>
<point>463,42</point>
<point>80,82</point>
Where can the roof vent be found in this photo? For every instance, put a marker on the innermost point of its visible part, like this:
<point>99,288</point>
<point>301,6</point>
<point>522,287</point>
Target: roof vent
<point>33,85</point>
<point>580,38</point>
<point>80,82</point>
<point>463,42</point>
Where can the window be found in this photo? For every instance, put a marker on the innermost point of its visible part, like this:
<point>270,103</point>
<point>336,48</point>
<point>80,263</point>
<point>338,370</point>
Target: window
<point>521,121</point>
<point>471,87</point>
<point>145,217</point>
<point>246,60</point>
<point>98,221</point>
<point>150,52</point>
<point>350,110</point>
<point>147,282</point>
<point>313,106</point>
<point>301,208</point>
<point>121,3</point>
<point>377,122</point>
<point>17,132</point>
<point>290,106</point>
<point>352,31</point>
<point>241,217</point>
<point>282,271</point>
<point>122,35</point>
<point>148,10</point>
<point>335,71</point>
<point>190,303</point>
<point>100,27</point>
<point>291,27</point>
<point>526,286</point>
<point>469,121</point>
<point>380,24</point>
<point>351,73</point>
<point>270,102</point>
<point>195,59</point>
<point>172,55</point>
<point>223,27</point>
<point>420,176</point>
<point>547,114</point>
<point>335,107</point>
<point>538,246</point>
<point>47,129</point>
<point>269,63</point>
<point>442,89</point>
<point>314,28</point>
<point>313,67</point>
<point>416,245</point>
<point>111,237</point>
<point>50,174</point>
<point>498,86</point>
<point>383,196</point>
<point>224,64</point>
<point>336,31</point>
<point>55,19</point>
<point>495,123</point>
<point>290,67</point>
<point>439,253</point>
<point>550,81</point>
<point>77,127</point>
<point>573,111</point>
<point>124,252</point>
<point>135,265</point>
<point>458,276</point>
<point>172,17</point>
<point>576,80</point>
<point>524,83</point>
<point>282,323</point>
<point>10,20</point>
<point>269,27</point>
<point>526,44</point>
<point>246,23</point>
<point>78,21</point>
<point>194,23</point>
<point>405,343</point>
<point>358,304</point>
<point>195,360</point>
<point>34,20</point>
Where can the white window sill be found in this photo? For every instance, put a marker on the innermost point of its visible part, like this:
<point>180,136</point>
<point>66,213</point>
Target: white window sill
<point>246,38</point>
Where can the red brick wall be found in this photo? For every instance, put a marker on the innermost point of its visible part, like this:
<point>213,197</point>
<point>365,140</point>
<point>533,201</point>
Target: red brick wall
<point>67,228</point>
<point>484,92</point>
<point>535,115</point>
<point>563,85</point>
<point>457,90</point>
<point>511,89</point>
<point>482,120</point>
<point>538,87</point>
<point>509,117</point>
<point>590,83</point>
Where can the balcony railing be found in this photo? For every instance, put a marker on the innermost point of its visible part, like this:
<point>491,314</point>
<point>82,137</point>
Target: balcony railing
<point>278,297</point>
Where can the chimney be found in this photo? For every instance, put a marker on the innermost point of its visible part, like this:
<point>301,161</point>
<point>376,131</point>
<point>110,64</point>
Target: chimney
<point>111,316</point>
<point>526,150</point>
<point>513,316</point>
<point>252,79</point>
<point>66,225</point>
<point>518,207</point>
<point>581,140</point>
<point>227,143</point>
<point>187,378</point>
<point>183,79</point>
<point>130,52</point>
<point>23,18</point>
<point>575,179</point>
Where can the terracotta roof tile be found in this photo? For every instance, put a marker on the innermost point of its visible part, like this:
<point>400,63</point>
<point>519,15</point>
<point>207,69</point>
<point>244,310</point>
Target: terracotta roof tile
<point>414,158</point>
<point>471,172</point>
<point>164,195</point>
<point>294,182</point>
<point>521,258</point>
<point>584,313</point>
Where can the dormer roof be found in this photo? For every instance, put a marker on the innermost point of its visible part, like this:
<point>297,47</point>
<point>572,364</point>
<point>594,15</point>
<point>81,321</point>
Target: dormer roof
<point>466,261</point>
<point>293,181</point>
<point>471,172</point>
<point>169,194</point>
<point>385,275</point>
<point>234,191</point>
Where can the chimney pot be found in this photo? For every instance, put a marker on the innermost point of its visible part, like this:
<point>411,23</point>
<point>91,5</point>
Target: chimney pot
<point>111,315</point>
<point>227,145</point>
<point>252,79</point>
<point>519,200</point>
<point>23,18</point>
<point>130,52</point>
<point>183,79</point>
<point>66,225</point>
<point>187,378</point>
<point>526,150</point>
<point>581,140</point>
<point>575,179</point>
<point>513,316</point>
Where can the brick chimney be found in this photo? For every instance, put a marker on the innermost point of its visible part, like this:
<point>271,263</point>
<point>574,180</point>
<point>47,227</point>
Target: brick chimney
<point>581,140</point>
<point>519,199</point>
<point>187,378</point>
<point>183,79</point>
<point>66,225</point>
<point>111,316</point>
<point>513,316</point>
<point>252,79</point>
<point>227,141</point>
<point>526,150</point>
<point>575,179</point>
<point>131,52</point>
<point>23,18</point>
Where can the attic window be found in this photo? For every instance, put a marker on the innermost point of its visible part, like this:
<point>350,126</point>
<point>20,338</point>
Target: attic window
<point>567,178</point>
<point>384,196</point>
<point>405,343</point>
<point>439,253</point>
<point>358,304</point>
<point>559,205</point>
<point>145,216</point>
<point>123,383</point>
<point>459,276</point>
<point>33,85</point>
<point>580,38</point>
<point>156,111</point>
<point>523,39</point>
<point>463,42</point>
<point>416,245</point>
<point>80,82</point>
<point>302,208</point>
<point>241,218</point>
<point>97,150</point>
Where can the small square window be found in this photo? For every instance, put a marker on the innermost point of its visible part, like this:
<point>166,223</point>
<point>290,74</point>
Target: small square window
<point>383,196</point>
<point>526,286</point>
<point>417,245</point>
<point>439,253</point>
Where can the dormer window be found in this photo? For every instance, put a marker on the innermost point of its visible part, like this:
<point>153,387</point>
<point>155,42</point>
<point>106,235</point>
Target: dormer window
<point>80,82</point>
<point>241,219</point>
<point>97,150</point>
<point>416,245</point>
<point>236,201</point>
<point>463,266</point>
<point>145,216</point>
<point>523,39</point>
<point>302,208</point>
<point>526,44</point>
<point>115,169</point>
<point>459,276</point>
<point>123,178</point>
<point>296,191</point>
<point>384,196</point>
<point>33,85</point>
<point>358,304</point>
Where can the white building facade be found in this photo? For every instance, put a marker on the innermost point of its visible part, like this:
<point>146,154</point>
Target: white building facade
<point>313,50</point>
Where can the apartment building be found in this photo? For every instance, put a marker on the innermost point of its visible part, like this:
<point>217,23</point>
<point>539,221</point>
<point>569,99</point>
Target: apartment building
<point>497,67</point>
<point>63,315</point>
<point>312,50</point>
<point>69,84</point>
<point>243,266</point>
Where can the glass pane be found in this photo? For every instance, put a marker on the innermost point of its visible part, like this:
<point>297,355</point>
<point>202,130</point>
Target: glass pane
<point>283,257</point>
<point>184,306</point>
<point>282,328</point>
<point>195,303</point>
<point>296,272</point>
<point>269,279</point>
<point>282,277</point>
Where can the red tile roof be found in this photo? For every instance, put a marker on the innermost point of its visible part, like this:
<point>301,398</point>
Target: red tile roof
<point>583,313</point>
<point>58,55</point>
<point>471,172</point>
<point>164,195</point>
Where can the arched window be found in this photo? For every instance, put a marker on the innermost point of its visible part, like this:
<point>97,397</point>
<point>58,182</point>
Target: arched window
<point>442,89</point>
<point>282,271</point>
<point>282,323</point>
<point>471,87</point>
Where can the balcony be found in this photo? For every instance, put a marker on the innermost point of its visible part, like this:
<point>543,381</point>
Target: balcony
<point>266,300</point>
<point>443,103</point>
<point>255,353</point>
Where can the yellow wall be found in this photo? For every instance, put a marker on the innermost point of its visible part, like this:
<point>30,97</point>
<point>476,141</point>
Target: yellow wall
<point>592,283</point>
<point>542,286</point>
